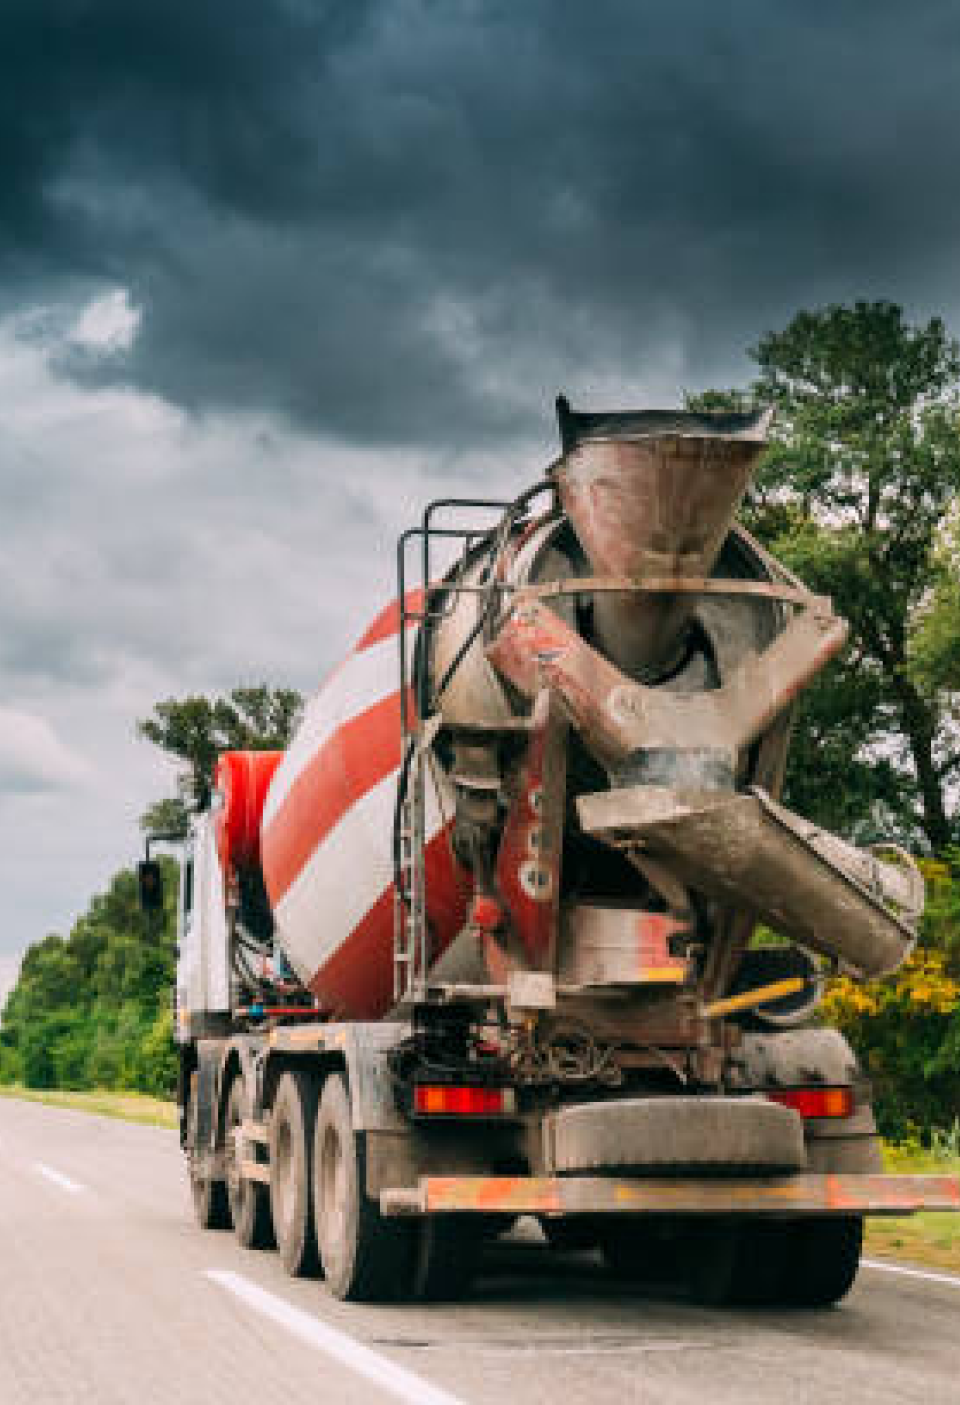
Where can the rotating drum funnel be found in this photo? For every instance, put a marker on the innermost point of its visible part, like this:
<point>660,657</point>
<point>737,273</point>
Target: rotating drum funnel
<point>652,495</point>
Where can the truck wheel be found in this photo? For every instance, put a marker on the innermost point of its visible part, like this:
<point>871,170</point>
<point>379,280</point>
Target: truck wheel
<point>249,1200</point>
<point>825,1257</point>
<point>711,1258</point>
<point>210,1204</point>
<point>764,1263</point>
<point>636,1250</point>
<point>365,1257</point>
<point>570,1233</point>
<point>445,1257</point>
<point>291,1173</point>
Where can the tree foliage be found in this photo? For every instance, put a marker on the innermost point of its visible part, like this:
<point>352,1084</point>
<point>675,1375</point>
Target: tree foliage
<point>935,643</point>
<point>852,494</point>
<point>196,729</point>
<point>94,1009</point>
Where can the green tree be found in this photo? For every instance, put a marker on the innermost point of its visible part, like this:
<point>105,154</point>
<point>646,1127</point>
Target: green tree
<point>94,1009</point>
<point>156,1062</point>
<point>90,1010</point>
<point>852,492</point>
<point>168,818</point>
<point>935,645</point>
<point>196,729</point>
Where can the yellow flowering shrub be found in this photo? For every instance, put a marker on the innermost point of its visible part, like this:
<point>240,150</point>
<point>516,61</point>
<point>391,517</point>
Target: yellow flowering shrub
<point>906,1027</point>
<point>922,984</point>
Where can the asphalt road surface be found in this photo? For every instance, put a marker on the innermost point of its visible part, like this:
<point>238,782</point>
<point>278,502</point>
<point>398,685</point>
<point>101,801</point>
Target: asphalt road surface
<point>110,1293</point>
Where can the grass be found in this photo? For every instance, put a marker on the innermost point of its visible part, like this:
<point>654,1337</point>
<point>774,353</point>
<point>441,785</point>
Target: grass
<point>930,1239</point>
<point>129,1107</point>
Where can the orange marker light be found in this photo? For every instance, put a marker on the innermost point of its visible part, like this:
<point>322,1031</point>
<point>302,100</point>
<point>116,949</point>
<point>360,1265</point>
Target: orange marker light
<point>816,1102</point>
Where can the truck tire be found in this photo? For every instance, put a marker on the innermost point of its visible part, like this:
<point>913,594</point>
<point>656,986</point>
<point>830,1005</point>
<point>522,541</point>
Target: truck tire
<point>569,1234</point>
<point>711,1257</point>
<point>721,1261</point>
<point>445,1257</point>
<point>291,1172</point>
<point>772,1263</point>
<point>365,1257</point>
<point>764,1263</point>
<point>825,1258</point>
<point>638,1249</point>
<point>677,1133</point>
<point>210,1203</point>
<point>249,1200</point>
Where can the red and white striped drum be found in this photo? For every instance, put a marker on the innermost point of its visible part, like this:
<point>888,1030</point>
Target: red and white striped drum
<point>327,835</point>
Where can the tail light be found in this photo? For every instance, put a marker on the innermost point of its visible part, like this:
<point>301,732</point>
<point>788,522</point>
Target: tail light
<point>453,1100</point>
<point>816,1102</point>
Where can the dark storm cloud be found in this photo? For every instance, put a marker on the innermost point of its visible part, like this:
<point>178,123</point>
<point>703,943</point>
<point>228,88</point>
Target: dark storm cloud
<point>405,221</point>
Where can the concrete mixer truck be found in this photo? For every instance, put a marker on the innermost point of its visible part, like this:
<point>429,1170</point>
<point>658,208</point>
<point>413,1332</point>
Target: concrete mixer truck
<point>481,943</point>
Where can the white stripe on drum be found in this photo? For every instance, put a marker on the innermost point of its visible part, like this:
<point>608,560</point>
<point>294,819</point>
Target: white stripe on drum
<point>360,682</point>
<point>344,878</point>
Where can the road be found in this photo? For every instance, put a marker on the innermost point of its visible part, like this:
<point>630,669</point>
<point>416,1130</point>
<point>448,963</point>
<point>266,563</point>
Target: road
<point>109,1293</point>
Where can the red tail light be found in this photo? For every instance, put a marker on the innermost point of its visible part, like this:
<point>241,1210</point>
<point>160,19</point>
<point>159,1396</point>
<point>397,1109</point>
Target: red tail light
<point>445,1100</point>
<point>816,1102</point>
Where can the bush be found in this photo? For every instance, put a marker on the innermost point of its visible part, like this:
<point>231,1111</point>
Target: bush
<point>11,1064</point>
<point>105,1063</point>
<point>156,1069</point>
<point>906,1028</point>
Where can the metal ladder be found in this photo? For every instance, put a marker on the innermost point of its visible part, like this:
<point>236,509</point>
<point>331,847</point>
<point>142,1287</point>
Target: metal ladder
<point>417,731</point>
<point>410,909</point>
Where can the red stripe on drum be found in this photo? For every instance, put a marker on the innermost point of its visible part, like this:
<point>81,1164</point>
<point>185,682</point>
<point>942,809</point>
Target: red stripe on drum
<point>387,622</point>
<point>359,754</point>
<point>358,976</point>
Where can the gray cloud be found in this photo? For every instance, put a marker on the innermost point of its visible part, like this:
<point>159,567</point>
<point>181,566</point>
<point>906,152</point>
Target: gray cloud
<point>149,553</point>
<point>33,758</point>
<point>367,241</point>
<point>406,222</point>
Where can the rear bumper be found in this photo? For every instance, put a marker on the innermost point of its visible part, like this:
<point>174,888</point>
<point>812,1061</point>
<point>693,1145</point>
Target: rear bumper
<point>605,1195</point>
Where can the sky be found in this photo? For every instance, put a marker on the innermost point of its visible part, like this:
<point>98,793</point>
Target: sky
<point>273,274</point>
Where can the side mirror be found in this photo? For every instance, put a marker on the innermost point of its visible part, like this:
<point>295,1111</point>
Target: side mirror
<point>150,885</point>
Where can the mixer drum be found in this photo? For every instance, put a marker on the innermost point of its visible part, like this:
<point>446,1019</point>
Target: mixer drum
<point>327,840</point>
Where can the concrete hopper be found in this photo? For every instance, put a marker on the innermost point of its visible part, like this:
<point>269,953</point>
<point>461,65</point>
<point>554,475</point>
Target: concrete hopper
<point>652,495</point>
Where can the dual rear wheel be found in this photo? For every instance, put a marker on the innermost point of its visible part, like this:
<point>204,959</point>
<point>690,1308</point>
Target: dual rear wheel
<point>316,1208</point>
<point>249,1200</point>
<point>291,1182</point>
<point>209,1196</point>
<point>810,1262</point>
<point>365,1257</point>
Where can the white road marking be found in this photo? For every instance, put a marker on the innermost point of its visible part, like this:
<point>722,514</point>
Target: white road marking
<point>951,1278</point>
<point>402,1384</point>
<point>64,1182</point>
